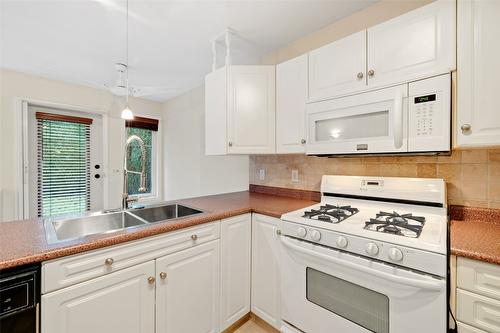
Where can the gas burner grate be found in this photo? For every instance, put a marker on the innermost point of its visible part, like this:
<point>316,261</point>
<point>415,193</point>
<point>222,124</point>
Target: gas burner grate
<point>331,213</point>
<point>405,225</point>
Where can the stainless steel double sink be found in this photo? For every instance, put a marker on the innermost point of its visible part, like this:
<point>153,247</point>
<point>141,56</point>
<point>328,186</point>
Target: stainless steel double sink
<point>61,229</point>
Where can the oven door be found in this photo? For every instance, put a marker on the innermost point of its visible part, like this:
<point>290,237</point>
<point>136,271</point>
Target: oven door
<point>372,122</point>
<point>325,290</point>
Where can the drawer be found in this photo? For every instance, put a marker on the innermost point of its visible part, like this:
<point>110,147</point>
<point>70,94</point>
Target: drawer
<point>479,277</point>
<point>478,311</point>
<point>464,328</point>
<point>67,271</point>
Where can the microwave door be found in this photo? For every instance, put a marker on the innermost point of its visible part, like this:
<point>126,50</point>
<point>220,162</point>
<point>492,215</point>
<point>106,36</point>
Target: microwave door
<point>369,123</point>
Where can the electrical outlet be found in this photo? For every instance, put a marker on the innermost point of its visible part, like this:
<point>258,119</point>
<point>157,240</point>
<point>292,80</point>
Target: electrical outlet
<point>262,174</point>
<point>295,175</point>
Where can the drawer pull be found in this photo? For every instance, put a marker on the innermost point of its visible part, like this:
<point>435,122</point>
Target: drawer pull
<point>163,275</point>
<point>194,237</point>
<point>109,261</point>
<point>151,279</point>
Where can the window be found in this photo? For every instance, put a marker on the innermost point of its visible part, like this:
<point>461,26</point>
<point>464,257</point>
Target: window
<point>146,129</point>
<point>63,164</point>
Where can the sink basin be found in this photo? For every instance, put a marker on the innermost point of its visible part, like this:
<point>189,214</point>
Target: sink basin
<point>161,213</point>
<point>95,224</point>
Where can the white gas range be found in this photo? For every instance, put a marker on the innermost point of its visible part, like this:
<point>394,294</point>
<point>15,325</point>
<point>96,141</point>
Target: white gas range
<point>371,257</point>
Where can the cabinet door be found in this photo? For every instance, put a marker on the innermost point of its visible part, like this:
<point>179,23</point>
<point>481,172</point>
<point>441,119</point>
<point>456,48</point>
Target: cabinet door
<point>291,99</point>
<point>414,45</point>
<point>478,114</point>
<point>123,302</point>
<point>236,233</point>
<point>251,110</point>
<point>338,68</point>
<point>265,269</point>
<point>187,290</point>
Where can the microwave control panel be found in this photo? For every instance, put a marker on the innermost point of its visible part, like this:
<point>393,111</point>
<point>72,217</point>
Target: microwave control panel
<point>429,113</point>
<point>424,114</point>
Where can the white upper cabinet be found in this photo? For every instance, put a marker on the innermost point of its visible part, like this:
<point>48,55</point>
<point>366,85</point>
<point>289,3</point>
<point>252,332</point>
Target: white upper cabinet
<point>240,110</point>
<point>291,99</point>
<point>338,68</point>
<point>478,114</point>
<point>418,44</point>
<point>415,45</point>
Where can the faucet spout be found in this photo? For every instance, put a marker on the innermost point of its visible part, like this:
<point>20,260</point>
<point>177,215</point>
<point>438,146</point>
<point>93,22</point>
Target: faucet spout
<point>126,171</point>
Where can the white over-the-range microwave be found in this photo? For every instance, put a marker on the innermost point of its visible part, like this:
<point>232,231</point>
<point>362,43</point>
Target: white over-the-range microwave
<point>411,118</point>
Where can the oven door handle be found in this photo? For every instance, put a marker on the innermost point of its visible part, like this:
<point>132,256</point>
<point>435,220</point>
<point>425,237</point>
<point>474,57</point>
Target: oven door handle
<point>429,285</point>
<point>398,119</point>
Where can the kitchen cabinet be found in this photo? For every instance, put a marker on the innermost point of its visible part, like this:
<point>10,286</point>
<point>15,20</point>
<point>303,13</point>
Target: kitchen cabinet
<point>240,110</point>
<point>338,68</point>
<point>477,296</point>
<point>478,51</point>
<point>122,301</point>
<point>415,45</point>
<point>418,44</point>
<point>187,291</point>
<point>236,233</point>
<point>265,269</point>
<point>291,99</point>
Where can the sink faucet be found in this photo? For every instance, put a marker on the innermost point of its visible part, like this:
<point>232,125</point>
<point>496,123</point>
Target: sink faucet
<point>125,198</point>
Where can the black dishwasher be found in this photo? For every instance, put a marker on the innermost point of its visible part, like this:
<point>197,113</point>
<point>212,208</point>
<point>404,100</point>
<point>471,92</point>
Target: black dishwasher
<point>19,299</point>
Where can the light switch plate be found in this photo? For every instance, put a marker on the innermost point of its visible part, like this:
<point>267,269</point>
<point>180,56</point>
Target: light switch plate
<point>262,174</point>
<point>295,175</point>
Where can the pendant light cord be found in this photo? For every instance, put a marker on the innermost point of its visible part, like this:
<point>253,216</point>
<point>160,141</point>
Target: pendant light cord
<point>126,52</point>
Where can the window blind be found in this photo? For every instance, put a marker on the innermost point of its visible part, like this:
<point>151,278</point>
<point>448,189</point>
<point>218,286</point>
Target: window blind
<point>63,155</point>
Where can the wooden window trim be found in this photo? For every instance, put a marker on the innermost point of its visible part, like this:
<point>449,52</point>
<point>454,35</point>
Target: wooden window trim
<point>144,123</point>
<point>62,117</point>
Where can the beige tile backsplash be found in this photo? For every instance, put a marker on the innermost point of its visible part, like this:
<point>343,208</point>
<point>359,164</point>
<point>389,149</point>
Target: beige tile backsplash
<point>472,176</point>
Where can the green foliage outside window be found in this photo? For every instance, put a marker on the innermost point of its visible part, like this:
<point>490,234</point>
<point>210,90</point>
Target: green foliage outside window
<point>134,160</point>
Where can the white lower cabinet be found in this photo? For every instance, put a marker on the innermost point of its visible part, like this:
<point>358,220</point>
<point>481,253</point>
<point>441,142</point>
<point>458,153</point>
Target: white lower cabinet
<point>265,269</point>
<point>123,302</point>
<point>187,291</point>
<point>236,233</point>
<point>478,296</point>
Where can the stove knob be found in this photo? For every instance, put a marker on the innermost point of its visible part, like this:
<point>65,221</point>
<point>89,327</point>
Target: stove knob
<point>301,232</point>
<point>395,254</point>
<point>342,242</point>
<point>315,235</point>
<point>371,249</point>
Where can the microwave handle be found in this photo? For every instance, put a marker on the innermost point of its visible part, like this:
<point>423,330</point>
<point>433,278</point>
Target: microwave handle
<point>422,284</point>
<point>398,120</point>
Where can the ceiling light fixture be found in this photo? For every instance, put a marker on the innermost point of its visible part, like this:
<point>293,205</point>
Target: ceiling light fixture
<point>127,113</point>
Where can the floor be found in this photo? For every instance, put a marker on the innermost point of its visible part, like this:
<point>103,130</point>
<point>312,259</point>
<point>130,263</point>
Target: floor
<point>252,326</point>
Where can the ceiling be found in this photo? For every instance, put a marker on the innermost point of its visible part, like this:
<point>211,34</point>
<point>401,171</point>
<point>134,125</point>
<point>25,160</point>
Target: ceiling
<point>170,41</point>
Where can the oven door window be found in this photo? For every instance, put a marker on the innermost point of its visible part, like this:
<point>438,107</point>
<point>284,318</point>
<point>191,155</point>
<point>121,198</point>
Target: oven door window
<point>360,305</point>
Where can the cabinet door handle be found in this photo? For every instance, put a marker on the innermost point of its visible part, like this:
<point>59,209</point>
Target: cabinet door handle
<point>163,275</point>
<point>303,141</point>
<point>360,75</point>
<point>109,261</point>
<point>151,279</point>
<point>465,127</point>
<point>371,73</point>
<point>230,144</point>
<point>194,237</point>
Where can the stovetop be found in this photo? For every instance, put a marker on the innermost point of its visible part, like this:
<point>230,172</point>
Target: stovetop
<point>420,227</point>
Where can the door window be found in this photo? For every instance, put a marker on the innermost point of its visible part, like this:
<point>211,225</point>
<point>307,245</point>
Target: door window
<point>360,305</point>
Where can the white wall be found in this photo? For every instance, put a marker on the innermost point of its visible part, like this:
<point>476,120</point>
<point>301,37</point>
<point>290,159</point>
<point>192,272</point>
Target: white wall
<point>16,86</point>
<point>188,172</point>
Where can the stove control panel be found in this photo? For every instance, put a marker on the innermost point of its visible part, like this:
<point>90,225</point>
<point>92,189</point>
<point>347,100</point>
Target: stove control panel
<point>412,258</point>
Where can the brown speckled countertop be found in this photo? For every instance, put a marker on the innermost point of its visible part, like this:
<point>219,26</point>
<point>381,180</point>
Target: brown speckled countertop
<point>24,242</point>
<point>475,233</point>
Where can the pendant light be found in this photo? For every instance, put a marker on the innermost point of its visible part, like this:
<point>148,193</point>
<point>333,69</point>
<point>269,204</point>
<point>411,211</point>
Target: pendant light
<point>127,113</point>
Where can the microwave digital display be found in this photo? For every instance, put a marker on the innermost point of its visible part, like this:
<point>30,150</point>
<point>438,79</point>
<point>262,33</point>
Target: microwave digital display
<point>425,99</point>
